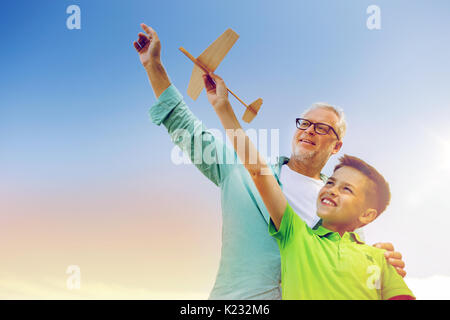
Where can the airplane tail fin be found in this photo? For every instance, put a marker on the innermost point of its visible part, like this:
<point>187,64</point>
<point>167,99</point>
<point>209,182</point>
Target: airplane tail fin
<point>252,110</point>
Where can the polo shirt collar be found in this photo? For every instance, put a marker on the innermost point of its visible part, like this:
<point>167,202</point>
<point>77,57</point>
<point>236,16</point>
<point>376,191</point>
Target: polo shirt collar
<point>321,231</point>
<point>356,237</point>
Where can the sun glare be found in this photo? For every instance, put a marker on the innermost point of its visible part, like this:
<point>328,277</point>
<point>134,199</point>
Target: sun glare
<point>442,155</point>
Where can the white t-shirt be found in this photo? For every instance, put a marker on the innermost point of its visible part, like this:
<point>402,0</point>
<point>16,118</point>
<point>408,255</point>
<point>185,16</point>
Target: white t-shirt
<point>301,193</point>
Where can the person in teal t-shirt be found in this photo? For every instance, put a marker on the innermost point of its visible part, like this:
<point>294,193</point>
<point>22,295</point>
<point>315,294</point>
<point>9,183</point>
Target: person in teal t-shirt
<point>329,261</point>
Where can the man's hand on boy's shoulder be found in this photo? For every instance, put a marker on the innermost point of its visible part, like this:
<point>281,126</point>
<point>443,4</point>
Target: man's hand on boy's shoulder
<point>393,257</point>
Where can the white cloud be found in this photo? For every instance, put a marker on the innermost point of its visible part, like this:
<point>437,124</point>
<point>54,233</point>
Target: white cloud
<point>430,288</point>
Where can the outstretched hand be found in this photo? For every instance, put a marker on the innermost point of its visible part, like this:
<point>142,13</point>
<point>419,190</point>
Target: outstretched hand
<point>148,46</point>
<point>216,90</point>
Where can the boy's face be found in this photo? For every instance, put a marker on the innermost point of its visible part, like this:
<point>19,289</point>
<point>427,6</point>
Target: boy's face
<point>343,200</point>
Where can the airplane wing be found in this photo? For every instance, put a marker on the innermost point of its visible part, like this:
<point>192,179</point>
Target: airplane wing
<point>211,59</point>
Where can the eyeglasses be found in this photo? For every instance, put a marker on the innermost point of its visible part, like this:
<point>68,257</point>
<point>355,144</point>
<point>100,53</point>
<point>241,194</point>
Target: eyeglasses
<point>319,128</point>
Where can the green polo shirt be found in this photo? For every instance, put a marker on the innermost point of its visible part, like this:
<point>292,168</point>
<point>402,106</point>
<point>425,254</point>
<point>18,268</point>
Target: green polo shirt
<point>320,264</point>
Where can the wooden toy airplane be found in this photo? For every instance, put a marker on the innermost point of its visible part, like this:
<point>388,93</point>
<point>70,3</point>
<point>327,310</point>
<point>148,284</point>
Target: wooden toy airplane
<point>208,61</point>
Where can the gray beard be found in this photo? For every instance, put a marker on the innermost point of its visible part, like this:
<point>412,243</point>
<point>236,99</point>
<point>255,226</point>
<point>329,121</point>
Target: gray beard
<point>311,158</point>
<point>305,157</point>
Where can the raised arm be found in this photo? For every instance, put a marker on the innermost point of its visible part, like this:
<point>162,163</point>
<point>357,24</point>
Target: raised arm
<point>185,129</point>
<point>149,48</point>
<point>261,174</point>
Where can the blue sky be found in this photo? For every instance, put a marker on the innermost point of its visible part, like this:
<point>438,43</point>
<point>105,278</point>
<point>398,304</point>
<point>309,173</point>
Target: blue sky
<point>74,103</point>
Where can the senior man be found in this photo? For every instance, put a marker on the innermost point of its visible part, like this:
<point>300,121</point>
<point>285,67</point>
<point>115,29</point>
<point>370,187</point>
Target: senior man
<point>250,259</point>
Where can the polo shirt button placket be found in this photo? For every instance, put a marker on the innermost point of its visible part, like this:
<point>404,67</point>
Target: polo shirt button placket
<point>339,249</point>
<point>345,263</point>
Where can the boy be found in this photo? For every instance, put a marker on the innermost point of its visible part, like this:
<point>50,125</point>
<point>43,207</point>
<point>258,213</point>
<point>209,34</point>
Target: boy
<point>329,261</point>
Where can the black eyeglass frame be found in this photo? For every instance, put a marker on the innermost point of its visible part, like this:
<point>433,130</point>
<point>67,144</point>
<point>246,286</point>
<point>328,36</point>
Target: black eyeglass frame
<point>297,124</point>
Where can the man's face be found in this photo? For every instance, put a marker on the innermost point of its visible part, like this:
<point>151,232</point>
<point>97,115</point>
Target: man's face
<point>309,145</point>
<point>344,197</point>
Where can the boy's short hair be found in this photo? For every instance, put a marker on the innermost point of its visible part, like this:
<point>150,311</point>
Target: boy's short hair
<point>381,194</point>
